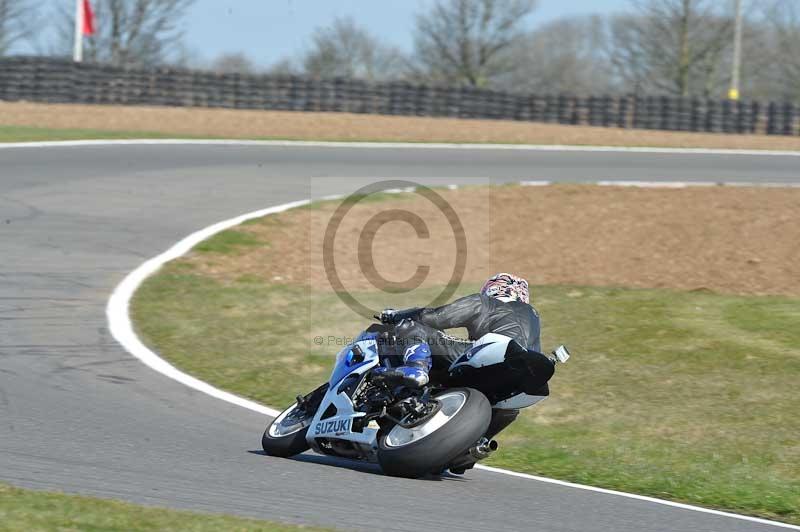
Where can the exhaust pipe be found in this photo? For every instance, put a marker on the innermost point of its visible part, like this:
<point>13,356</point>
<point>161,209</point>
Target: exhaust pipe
<point>483,449</point>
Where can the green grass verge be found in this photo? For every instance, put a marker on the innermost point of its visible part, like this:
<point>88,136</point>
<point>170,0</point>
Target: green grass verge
<point>34,134</point>
<point>26,511</point>
<point>38,134</point>
<point>685,396</point>
<point>228,242</point>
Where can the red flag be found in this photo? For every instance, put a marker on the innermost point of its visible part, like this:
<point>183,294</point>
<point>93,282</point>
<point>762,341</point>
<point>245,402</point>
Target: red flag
<point>88,19</point>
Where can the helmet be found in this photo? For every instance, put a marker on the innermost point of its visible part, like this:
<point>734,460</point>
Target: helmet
<point>507,287</point>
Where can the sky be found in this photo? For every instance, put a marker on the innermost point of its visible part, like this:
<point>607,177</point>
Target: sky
<point>269,30</point>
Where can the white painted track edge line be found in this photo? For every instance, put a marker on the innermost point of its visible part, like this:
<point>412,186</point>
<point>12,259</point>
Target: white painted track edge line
<point>121,328</point>
<point>643,498</point>
<point>398,145</point>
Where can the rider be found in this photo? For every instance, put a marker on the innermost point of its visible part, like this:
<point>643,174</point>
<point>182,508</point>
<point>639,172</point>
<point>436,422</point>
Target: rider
<point>502,307</point>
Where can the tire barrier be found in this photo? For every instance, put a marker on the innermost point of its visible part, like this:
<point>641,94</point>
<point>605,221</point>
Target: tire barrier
<point>53,80</point>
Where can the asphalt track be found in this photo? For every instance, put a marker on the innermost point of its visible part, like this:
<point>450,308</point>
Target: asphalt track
<point>79,414</point>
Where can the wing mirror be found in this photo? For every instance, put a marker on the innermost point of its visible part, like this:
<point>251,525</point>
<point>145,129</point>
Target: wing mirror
<point>356,356</point>
<point>561,353</point>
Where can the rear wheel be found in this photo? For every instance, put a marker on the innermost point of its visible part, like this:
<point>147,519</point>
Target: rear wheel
<point>461,420</point>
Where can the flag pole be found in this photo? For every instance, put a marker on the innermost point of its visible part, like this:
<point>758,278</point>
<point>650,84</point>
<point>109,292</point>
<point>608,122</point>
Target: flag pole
<point>77,51</point>
<point>733,93</point>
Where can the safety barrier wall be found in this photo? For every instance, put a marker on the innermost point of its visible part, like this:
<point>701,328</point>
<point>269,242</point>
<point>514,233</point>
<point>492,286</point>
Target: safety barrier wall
<point>40,79</point>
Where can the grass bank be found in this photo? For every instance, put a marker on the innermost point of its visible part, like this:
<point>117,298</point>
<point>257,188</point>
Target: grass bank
<point>41,134</point>
<point>26,511</point>
<point>689,396</point>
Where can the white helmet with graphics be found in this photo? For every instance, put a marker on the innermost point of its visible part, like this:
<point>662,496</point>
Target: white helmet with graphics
<point>507,287</point>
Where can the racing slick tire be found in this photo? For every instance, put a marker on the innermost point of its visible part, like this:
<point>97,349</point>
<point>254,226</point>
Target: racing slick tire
<point>428,448</point>
<point>284,440</point>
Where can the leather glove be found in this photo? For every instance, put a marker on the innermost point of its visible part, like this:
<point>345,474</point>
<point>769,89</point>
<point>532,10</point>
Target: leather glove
<point>388,316</point>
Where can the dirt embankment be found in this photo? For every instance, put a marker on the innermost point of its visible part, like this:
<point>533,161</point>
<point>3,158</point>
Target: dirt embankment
<point>345,126</point>
<point>724,239</point>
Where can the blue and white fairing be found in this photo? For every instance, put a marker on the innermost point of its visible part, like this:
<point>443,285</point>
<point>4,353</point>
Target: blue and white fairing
<point>489,349</point>
<point>338,423</point>
<point>346,361</point>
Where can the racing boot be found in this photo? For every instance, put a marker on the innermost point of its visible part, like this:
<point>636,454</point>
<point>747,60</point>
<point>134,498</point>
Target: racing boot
<point>414,371</point>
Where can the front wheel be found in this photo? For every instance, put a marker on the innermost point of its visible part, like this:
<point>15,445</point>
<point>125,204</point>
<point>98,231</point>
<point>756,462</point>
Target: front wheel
<point>286,435</point>
<point>416,451</point>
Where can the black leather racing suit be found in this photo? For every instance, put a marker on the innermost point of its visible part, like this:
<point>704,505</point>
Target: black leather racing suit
<point>480,315</point>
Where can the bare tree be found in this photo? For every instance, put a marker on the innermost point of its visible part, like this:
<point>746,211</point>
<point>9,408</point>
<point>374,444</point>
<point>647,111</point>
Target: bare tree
<point>283,67</point>
<point>132,32</point>
<point>783,16</point>
<point>233,63</point>
<point>345,49</point>
<point>185,56</point>
<point>628,55</point>
<point>467,41</point>
<point>565,55</point>
<point>760,72</point>
<point>17,22</point>
<point>673,46</point>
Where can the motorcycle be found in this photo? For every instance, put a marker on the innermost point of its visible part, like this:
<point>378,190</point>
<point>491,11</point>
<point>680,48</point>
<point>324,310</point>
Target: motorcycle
<point>410,431</point>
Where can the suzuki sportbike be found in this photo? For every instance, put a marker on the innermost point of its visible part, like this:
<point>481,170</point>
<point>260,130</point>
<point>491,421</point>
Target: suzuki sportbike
<point>410,431</point>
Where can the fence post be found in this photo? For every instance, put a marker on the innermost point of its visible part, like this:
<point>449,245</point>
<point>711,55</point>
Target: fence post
<point>580,111</point>
<point>626,108</point>
<point>727,116</point>
<point>666,114</point>
<point>772,119</point>
<point>712,116</point>
<point>788,119</point>
<point>684,115</point>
